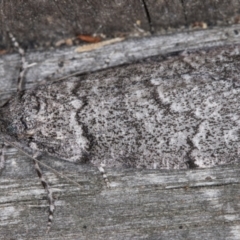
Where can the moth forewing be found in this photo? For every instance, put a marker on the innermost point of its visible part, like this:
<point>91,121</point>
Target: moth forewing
<point>179,113</point>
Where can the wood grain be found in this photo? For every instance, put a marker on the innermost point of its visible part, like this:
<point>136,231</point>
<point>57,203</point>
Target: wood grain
<point>41,24</point>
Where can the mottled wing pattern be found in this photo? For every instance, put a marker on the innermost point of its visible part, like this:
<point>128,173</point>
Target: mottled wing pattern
<point>171,114</point>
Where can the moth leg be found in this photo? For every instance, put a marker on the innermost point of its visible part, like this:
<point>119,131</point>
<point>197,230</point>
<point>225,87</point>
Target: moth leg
<point>2,156</point>
<point>24,63</point>
<point>49,193</point>
<point>102,171</point>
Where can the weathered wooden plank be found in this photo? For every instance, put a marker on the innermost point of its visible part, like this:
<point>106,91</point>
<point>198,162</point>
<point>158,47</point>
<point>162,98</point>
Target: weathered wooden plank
<point>141,204</point>
<point>166,16</point>
<point>192,204</point>
<point>175,15</point>
<point>41,24</point>
<point>63,62</point>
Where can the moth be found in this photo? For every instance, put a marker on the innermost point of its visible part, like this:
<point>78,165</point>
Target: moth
<point>181,112</point>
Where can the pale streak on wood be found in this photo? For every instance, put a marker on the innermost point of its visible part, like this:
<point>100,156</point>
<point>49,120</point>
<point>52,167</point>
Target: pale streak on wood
<point>186,204</point>
<point>93,46</point>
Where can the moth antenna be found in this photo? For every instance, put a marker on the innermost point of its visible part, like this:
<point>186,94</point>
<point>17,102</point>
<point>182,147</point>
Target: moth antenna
<point>43,164</point>
<point>49,194</point>
<point>43,181</point>
<point>24,64</point>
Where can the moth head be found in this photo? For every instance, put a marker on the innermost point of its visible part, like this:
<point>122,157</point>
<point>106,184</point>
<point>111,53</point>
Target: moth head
<point>4,122</point>
<point>13,122</point>
<point>2,126</point>
<point>9,126</point>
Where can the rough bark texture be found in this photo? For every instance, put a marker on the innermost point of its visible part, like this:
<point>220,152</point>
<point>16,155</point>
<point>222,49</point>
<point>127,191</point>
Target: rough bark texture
<point>141,204</point>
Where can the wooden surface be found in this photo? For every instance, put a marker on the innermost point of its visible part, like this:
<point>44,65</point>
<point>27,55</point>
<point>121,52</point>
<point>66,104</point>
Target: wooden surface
<point>43,23</point>
<point>141,204</point>
<point>62,62</point>
<point>199,204</point>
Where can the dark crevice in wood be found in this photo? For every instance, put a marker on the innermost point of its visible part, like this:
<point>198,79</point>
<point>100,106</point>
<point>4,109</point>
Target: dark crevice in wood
<point>148,16</point>
<point>184,11</point>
